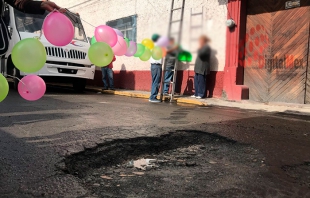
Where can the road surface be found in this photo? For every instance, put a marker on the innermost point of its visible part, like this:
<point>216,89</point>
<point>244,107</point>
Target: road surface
<point>38,139</point>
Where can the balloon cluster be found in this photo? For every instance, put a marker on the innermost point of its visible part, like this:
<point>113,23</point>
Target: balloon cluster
<point>29,56</point>
<point>108,42</point>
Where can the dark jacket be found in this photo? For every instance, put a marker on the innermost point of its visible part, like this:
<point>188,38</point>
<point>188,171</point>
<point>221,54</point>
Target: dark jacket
<point>28,6</point>
<point>202,64</point>
<point>171,58</point>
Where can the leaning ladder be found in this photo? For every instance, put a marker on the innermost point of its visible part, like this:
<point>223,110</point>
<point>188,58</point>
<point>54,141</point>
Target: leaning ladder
<point>194,37</point>
<point>170,33</point>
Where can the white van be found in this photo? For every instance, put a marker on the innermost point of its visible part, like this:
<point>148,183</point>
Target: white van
<point>70,62</point>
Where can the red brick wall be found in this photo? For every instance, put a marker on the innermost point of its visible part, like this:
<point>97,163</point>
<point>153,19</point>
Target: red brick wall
<point>141,80</point>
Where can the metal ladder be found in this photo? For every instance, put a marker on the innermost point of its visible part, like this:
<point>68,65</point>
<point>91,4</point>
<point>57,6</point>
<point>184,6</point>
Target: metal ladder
<point>194,27</point>
<point>170,33</point>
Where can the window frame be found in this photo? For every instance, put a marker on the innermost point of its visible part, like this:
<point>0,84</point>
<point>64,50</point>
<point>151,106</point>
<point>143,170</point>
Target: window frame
<point>126,28</point>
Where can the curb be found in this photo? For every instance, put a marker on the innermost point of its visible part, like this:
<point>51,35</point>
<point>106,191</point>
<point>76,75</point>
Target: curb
<point>120,93</point>
<point>191,101</point>
<point>135,95</point>
<point>187,100</point>
<point>145,96</point>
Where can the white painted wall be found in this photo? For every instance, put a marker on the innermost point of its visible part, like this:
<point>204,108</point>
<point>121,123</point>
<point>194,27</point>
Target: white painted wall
<point>153,17</point>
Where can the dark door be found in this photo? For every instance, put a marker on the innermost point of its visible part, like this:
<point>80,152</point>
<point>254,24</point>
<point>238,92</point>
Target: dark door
<point>277,51</point>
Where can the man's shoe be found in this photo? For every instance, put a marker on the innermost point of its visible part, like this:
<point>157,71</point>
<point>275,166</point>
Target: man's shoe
<point>198,97</point>
<point>112,89</point>
<point>193,96</point>
<point>154,101</point>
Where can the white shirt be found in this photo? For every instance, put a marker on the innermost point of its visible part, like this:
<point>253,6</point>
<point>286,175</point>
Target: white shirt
<point>153,61</point>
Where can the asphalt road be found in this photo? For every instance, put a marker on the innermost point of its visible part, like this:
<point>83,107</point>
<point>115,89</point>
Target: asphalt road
<point>35,137</point>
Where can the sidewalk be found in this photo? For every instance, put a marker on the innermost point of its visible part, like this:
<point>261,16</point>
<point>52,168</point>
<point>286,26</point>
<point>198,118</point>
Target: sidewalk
<point>245,104</point>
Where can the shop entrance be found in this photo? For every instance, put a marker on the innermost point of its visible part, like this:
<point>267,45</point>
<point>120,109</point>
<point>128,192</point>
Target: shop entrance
<point>276,54</point>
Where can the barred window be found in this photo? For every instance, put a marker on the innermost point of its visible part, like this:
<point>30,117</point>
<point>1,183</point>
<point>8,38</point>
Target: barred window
<point>127,25</point>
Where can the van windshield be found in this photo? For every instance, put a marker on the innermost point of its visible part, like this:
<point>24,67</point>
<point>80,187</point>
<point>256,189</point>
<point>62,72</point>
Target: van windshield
<point>33,24</point>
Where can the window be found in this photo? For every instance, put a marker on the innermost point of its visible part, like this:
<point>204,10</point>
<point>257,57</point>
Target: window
<point>33,24</point>
<point>127,25</point>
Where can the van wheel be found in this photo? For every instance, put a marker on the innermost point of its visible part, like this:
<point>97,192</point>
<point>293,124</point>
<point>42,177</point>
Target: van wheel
<point>79,84</point>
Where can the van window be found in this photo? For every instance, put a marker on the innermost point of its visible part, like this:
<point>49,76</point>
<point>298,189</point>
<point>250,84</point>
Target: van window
<point>33,24</point>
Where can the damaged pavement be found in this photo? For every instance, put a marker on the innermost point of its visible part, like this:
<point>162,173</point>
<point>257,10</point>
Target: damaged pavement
<point>89,145</point>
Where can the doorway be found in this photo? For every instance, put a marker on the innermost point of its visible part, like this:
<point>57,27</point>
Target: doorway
<point>276,55</point>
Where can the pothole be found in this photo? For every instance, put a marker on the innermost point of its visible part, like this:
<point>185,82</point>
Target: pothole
<point>179,164</point>
<point>121,150</point>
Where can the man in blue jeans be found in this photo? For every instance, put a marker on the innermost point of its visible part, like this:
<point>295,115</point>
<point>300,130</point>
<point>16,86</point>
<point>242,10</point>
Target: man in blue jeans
<point>156,71</point>
<point>170,63</point>
<point>107,72</point>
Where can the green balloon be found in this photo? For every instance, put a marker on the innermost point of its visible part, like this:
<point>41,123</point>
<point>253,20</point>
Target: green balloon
<point>100,54</point>
<point>140,50</point>
<point>157,53</point>
<point>93,40</point>
<point>185,56</point>
<point>29,55</point>
<point>155,37</point>
<point>4,88</point>
<point>127,42</point>
<point>146,55</point>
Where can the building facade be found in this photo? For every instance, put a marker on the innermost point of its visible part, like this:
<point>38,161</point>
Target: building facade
<point>265,57</point>
<point>140,19</point>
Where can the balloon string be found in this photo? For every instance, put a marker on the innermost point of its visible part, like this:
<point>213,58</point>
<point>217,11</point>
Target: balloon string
<point>16,78</point>
<point>21,82</point>
<point>81,18</point>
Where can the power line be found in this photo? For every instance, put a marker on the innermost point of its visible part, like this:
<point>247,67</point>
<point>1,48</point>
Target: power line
<point>81,18</point>
<point>80,4</point>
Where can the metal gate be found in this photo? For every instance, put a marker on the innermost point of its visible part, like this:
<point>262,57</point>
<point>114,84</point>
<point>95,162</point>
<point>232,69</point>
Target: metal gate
<point>276,55</point>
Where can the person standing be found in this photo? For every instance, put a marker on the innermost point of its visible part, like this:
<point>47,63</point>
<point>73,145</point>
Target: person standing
<point>156,72</point>
<point>107,73</point>
<point>202,67</point>
<point>170,64</point>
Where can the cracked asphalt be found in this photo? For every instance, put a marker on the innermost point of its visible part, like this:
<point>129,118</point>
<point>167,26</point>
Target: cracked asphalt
<point>37,137</point>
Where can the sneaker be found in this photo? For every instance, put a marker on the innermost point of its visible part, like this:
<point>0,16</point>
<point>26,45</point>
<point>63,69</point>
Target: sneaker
<point>198,97</point>
<point>154,101</point>
<point>193,96</point>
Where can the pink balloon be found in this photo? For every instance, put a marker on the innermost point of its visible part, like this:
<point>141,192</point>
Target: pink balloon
<point>132,49</point>
<point>58,29</point>
<point>118,32</point>
<point>163,41</point>
<point>120,48</point>
<point>106,34</point>
<point>31,88</point>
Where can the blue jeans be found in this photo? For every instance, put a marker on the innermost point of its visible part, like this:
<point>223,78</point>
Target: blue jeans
<point>107,72</point>
<point>156,71</point>
<point>200,85</point>
<point>168,78</point>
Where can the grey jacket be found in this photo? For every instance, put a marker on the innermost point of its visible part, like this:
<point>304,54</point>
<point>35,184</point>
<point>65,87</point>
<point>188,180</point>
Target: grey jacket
<point>202,64</point>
